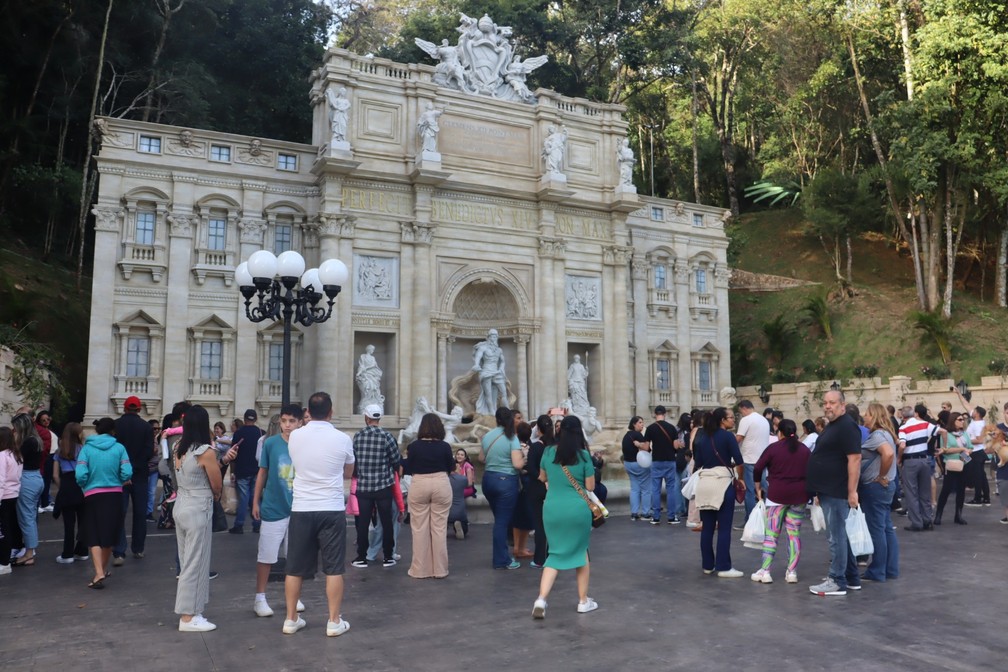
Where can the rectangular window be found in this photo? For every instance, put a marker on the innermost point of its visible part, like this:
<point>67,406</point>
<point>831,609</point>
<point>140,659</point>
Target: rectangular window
<point>220,153</point>
<point>659,276</point>
<point>145,228</point>
<point>137,356</point>
<point>210,360</point>
<point>705,375</point>
<point>276,362</point>
<point>286,161</point>
<point>697,219</point>
<point>701,281</point>
<point>282,235</point>
<point>216,233</point>
<point>657,214</point>
<point>663,381</point>
<point>149,144</point>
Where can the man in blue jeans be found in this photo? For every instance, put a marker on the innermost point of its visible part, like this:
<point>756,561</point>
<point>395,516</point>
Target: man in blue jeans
<point>833,474</point>
<point>753,436</point>
<point>664,441</point>
<point>245,469</point>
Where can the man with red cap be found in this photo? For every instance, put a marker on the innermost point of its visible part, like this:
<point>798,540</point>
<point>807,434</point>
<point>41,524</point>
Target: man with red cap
<point>137,436</point>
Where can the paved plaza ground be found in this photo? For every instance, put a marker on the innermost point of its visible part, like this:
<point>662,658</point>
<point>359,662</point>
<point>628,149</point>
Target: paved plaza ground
<point>656,611</point>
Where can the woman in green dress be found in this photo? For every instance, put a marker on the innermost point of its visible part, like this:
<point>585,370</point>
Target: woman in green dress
<point>566,515</point>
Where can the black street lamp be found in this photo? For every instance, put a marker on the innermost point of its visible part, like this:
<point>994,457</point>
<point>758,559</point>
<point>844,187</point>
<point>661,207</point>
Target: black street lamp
<point>274,280</point>
<point>835,386</point>
<point>964,390</point>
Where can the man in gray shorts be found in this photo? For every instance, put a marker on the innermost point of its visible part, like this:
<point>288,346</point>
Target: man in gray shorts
<point>322,456</point>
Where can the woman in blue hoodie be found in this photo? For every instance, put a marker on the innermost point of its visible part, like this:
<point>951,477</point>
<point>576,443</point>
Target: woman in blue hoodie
<point>103,467</point>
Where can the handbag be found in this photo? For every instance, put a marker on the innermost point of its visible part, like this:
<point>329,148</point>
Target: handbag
<point>953,465</point>
<point>598,511</point>
<point>220,521</point>
<point>739,485</point>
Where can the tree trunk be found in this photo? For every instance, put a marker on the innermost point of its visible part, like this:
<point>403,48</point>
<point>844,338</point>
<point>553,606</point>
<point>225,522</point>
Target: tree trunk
<point>904,28</point>
<point>167,12</point>
<point>850,258</point>
<point>696,147</point>
<point>1001,270</point>
<point>952,242</point>
<point>85,199</point>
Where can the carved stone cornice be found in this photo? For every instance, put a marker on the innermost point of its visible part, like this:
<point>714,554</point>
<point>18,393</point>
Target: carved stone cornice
<point>252,230</point>
<point>181,225</point>
<point>107,219</point>
<point>552,247</point>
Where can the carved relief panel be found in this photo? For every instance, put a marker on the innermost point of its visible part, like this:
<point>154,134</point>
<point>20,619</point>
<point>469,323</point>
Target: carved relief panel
<point>583,297</point>
<point>375,281</point>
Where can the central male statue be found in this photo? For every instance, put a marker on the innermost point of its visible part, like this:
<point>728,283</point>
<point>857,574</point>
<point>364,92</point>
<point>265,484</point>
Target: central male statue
<point>488,359</point>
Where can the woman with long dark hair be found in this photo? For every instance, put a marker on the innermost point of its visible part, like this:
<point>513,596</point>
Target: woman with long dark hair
<point>713,447</point>
<point>564,469</point>
<point>955,444</point>
<point>429,461</point>
<point>32,456</point>
<point>10,486</point>
<point>640,476</point>
<point>102,468</point>
<point>786,462</point>
<point>198,479</point>
<point>536,491</point>
<point>69,496</point>
<point>502,455</point>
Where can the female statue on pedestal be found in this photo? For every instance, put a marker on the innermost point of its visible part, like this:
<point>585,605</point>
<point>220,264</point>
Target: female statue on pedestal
<point>368,377</point>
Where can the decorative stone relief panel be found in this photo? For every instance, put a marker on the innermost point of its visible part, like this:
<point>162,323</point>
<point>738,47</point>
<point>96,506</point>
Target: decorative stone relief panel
<point>379,121</point>
<point>583,156</point>
<point>375,281</point>
<point>583,297</point>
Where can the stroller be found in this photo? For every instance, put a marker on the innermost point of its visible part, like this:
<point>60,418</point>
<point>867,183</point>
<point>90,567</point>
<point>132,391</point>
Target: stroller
<point>165,519</point>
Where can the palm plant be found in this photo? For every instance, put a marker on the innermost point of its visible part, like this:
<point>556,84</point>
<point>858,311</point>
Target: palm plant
<point>818,311</point>
<point>935,330</point>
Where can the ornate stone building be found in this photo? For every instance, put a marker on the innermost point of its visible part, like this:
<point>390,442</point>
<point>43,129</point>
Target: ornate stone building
<point>456,211</point>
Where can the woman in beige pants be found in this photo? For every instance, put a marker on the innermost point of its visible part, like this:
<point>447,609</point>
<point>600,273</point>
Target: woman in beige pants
<point>429,460</point>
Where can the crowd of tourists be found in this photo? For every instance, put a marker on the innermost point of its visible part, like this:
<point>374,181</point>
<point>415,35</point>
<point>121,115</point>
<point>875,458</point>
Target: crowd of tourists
<point>540,480</point>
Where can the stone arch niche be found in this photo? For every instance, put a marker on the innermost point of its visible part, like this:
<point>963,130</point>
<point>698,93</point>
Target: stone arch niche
<point>479,303</point>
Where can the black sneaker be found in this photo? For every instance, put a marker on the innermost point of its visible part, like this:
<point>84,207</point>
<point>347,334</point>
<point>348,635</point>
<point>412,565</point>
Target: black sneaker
<point>655,521</point>
<point>674,520</point>
<point>1004,521</point>
<point>236,530</point>
<point>359,562</point>
<point>213,575</point>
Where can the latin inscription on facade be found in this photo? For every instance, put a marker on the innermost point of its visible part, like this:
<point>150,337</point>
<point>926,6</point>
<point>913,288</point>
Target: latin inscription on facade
<point>582,227</point>
<point>479,141</point>
<point>483,214</point>
<point>377,201</point>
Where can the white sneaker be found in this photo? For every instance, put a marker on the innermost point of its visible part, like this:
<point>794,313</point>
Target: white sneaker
<point>761,576</point>
<point>81,557</point>
<point>48,509</point>
<point>539,608</point>
<point>729,574</point>
<point>588,605</point>
<point>300,606</point>
<point>262,608</point>
<point>459,534</point>
<point>64,561</point>
<point>336,629</point>
<point>791,577</point>
<point>197,624</point>
<point>290,627</point>
<point>5,569</point>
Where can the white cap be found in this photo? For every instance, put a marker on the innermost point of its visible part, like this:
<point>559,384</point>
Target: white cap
<point>373,411</point>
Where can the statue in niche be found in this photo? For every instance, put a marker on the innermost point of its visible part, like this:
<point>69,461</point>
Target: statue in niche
<point>577,385</point>
<point>488,360</point>
<point>427,128</point>
<point>368,378</point>
<point>553,149</point>
<point>339,113</point>
<point>373,280</point>
<point>625,159</point>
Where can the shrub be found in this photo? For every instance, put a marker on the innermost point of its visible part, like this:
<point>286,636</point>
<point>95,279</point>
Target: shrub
<point>781,376</point>
<point>936,372</point>
<point>825,371</point>
<point>998,367</point>
<point>818,312</point>
<point>865,371</point>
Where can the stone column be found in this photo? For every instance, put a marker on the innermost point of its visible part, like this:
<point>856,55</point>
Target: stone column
<point>684,376</point>
<point>642,366</point>
<point>180,253</point>
<point>442,372</point>
<point>247,388</point>
<point>108,223</point>
<point>333,364</point>
<point>417,237</point>
<point>523,399</point>
<point>616,393</point>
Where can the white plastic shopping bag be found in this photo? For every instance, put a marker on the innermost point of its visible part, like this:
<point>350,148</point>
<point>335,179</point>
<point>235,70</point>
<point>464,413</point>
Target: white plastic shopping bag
<point>818,518</point>
<point>857,533</point>
<point>689,488</point>
<point>755,527</point>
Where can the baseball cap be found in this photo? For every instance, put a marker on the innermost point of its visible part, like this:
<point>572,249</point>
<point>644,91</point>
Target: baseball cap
<point>132,402</point>
<point>250,414</point>
<point>373,411</point>
<point>660,410</point>
<point>1003,427</point>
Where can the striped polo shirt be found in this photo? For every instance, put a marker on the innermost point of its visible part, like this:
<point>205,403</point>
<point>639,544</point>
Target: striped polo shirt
<point>916,433</point>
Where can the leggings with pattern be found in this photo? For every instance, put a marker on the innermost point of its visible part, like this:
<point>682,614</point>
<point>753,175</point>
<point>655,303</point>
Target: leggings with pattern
<point>792,516</point>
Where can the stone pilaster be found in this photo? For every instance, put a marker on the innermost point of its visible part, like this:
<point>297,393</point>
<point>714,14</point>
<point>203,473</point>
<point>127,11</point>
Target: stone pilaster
<point>108,228</point>
<point>616,386</point>
<point>683,384</point>
<point>641,398</point>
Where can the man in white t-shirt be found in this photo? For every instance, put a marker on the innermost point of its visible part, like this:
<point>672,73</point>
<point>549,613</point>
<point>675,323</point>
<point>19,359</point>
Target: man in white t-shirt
<point>977,474</point>
<point>753,436</point>
<point>322,457</point>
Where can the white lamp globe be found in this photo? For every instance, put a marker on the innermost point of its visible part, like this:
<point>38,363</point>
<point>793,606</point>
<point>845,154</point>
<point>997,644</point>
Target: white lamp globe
<point>311,278</point>
<point>242,275</point>
<point>290,264</point>
<point>333,272</point>
<point>262,264</point>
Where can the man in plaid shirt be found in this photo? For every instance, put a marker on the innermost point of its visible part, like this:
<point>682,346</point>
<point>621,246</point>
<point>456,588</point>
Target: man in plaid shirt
<point>376,456</point>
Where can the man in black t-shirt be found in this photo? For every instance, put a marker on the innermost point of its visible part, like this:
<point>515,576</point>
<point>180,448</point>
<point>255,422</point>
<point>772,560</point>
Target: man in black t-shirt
<point>245,469</point>
<point>833,474</point>
<point>136,435</point>
<point>663,437</point>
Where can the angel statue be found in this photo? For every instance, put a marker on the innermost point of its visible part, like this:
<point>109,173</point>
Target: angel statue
<point>449,67</point>
<point>516,73</point>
